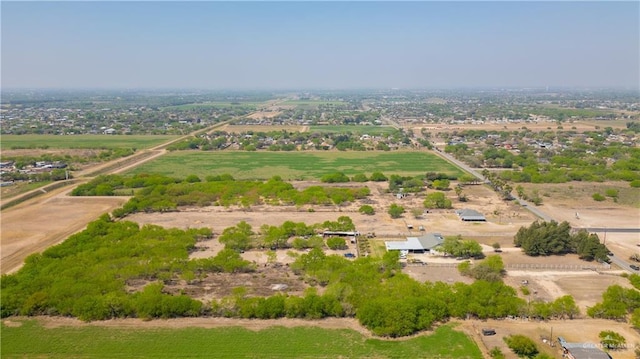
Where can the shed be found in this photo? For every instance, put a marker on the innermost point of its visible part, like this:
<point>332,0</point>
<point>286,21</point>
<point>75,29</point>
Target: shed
<point>470,215</point>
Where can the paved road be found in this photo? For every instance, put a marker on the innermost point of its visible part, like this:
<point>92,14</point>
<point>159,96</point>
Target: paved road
<point>540,214</point>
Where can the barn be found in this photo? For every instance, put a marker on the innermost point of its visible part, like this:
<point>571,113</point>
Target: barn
<point>421,244</point>
<point>470,215</point>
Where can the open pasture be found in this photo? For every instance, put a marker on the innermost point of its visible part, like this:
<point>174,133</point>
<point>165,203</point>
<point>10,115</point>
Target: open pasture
<point>162,341</point>
<point>311,103</point>
<point>81,141</point>
<point>261,128</point>
<point>295,165</point>
<point>215,104</point>
<point>358,130</point>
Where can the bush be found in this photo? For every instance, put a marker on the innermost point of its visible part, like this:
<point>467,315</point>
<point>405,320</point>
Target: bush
<point>337,177</point>
<point>336,243</point>
<point>367,209</point>
<point>611,192</point>
<point>635,183</point>
<point>437,200</point>
<point>395,211</point>
<point>598,197</point>
<point>380,177</point>
<point>360,178</point>
<point>521,345</point>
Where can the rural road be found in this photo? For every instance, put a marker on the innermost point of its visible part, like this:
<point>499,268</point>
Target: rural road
<point>540,214</point>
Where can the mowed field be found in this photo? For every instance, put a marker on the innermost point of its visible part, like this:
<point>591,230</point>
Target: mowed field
<point>8,142</point>
<point>168,341</point>
<point>295,165</point>
<point>359,130</point>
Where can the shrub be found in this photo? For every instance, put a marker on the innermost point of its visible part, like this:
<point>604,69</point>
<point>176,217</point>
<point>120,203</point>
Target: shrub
<point>598,197</point>
<point>521,345</point>
<point>395,211</point>
<point>380,177</point>
<point>336,243</point>
<point>337,177</point>
<point>611,192</point>
<point>635,183</point>
<point>360,178</point>
<point>367,209</point>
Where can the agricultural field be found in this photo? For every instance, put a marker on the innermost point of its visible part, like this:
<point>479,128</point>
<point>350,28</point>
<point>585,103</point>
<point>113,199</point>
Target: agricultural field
<point>9,142</point>
<point>295,165</point>
<point>358,130</point>
<point>311,103</point>
<point>164,341</point>
<point>215,104</point>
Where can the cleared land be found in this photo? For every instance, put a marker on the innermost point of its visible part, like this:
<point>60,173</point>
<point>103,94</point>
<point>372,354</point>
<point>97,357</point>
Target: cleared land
<point>49,219</point>
<point>205,337</point>
<point>574,331</point>
<point>81,141</point>
<point>295,165</point>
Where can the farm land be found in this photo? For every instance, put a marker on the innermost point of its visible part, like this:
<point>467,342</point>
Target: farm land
<point>295,165</point>
<point>548,277</point>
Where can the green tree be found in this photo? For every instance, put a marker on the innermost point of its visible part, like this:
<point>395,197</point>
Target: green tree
<point>367,209</point>
<point>437,200</point>
<point>395,211</point>
<point>378,177</point>
<point>238,237</point>
<point>521,345</point>
<point>336,243</point>
<point>612,340</point>
<point>544,238</point>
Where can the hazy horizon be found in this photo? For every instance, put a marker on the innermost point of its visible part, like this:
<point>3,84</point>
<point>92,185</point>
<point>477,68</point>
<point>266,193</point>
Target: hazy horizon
<point>319,45</point>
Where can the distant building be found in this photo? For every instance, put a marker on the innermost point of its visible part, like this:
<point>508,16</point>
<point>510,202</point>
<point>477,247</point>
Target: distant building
<point>425,243</point>
<point>470,215</point>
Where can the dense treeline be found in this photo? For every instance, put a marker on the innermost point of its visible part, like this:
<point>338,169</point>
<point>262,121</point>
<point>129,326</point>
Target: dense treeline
<point>155,193</point>
<point>547,238</point>
<point>86,275</point>
<point>390,303</point>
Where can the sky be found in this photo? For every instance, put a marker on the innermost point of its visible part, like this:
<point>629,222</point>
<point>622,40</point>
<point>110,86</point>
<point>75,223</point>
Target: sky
<point>319,45</point>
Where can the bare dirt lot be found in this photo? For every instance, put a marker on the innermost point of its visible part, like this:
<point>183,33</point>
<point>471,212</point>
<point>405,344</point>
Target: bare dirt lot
<point>45,221</point>
<point>573,331</point>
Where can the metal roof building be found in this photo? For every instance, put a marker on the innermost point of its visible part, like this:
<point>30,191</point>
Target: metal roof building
<point>582,350</point>
<point>416,244</point>
<point>470,215</point>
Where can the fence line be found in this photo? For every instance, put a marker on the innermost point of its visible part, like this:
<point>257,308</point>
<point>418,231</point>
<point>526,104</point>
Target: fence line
<point>567,267</point>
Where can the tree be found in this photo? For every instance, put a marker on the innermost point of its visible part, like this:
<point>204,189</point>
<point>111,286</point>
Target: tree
<point>367,209</point>
<point>612,340</point>
<point>437,200</point>
<point>395,211</point>
<point>378,177</point>
<point>238,237</point>
<point>360,177</point>
<point>467,179</point>
<point>336,177</point>
<point>521,345</point>
<point>544,238</point>
<point>441,184</point>
<point>336,243</point>
<point>565,307</point>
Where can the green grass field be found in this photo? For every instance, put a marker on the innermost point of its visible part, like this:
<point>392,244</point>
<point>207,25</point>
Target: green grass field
<point>215,104</point>
<point>294,165</point>
<point>312,103</point>
<point>8,142</point>
<point>359,130</point>
<point>31,340</point>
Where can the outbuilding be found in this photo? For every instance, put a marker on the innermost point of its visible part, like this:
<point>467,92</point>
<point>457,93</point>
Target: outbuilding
<point>581,350</point>
<point>470,215</point>
<point>420,244</point>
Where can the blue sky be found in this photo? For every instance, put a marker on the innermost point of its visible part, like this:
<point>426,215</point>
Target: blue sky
<point>285,45</point>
